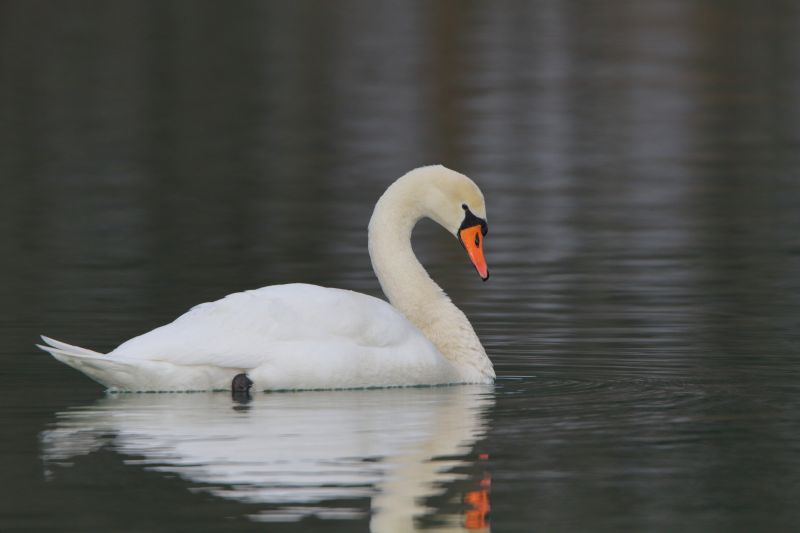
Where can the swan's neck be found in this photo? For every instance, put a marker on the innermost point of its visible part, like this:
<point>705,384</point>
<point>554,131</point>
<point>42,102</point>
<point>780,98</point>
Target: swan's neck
<point>412,291</point>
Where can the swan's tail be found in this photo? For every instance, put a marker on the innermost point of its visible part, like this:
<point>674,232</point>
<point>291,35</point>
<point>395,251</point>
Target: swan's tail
<point>94,364</point>
<point>121,374</point>
<point>68,349</point>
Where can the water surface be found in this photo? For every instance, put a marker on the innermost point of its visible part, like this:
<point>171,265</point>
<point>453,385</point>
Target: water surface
<point>641,169</point>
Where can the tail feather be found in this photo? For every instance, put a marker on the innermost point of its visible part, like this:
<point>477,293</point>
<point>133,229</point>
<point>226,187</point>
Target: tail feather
<point>94,364</point>
<point>58,353</point>
<point>119,373</point>
<point>68,348</point>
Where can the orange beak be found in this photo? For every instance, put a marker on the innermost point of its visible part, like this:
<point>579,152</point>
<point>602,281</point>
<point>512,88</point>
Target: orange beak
<point>472,240</point>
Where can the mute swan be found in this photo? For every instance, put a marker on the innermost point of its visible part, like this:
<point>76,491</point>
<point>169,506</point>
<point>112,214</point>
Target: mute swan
<point>300,336</point>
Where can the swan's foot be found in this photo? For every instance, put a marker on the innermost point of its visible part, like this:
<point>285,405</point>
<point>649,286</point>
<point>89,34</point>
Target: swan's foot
<point>241,384</point>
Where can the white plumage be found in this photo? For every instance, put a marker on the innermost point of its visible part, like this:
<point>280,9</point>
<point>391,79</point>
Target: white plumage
<point>302,336</point>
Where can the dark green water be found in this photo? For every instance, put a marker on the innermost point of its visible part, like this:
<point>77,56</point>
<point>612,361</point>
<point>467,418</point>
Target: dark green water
<point>641,164</point>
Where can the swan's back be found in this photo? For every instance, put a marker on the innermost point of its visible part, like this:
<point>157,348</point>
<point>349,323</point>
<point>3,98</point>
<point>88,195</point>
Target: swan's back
<point>295,336</point>
<point>243,322</point>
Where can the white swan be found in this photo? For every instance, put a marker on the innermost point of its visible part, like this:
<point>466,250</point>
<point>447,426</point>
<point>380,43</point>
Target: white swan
<point>308,337</point>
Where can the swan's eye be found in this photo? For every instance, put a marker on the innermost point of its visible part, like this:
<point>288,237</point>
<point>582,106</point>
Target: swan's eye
<point>464,207</point>
<point>477,240</point>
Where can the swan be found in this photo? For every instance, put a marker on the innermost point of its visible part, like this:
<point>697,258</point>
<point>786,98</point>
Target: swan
<point>300,336</point>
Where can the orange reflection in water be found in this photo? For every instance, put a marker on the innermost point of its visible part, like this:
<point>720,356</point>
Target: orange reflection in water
<point>478,500</point>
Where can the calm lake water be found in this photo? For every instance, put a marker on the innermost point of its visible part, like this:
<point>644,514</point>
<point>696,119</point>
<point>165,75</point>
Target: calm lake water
<point>641,164</point>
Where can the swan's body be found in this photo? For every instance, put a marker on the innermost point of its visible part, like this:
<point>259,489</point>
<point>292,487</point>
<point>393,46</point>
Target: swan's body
<point>284,337</point>
<point>308,337</point>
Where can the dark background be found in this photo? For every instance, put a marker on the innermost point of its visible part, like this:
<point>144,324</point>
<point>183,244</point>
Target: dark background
<point>642,174</point>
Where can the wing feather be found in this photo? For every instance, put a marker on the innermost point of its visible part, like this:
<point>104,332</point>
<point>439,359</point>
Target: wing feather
<point>248,329</point>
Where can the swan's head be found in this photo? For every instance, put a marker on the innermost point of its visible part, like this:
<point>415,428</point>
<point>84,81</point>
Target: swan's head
<point>454,201</point>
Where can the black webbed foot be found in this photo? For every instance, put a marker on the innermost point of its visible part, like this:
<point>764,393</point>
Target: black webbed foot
<point>240,386</point>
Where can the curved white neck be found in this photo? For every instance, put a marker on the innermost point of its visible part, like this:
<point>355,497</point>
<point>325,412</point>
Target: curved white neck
<point>411,290</point>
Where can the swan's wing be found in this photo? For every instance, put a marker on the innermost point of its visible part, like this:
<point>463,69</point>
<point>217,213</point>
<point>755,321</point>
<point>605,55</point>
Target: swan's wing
<point>245,330</point>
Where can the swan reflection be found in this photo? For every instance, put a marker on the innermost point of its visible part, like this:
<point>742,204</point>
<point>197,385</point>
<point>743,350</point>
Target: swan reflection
<point>301,453</point>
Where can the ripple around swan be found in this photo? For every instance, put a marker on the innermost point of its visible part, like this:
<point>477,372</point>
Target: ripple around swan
<point>644,437</point>
<point>599,392</point>
<point>636,408</point>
